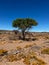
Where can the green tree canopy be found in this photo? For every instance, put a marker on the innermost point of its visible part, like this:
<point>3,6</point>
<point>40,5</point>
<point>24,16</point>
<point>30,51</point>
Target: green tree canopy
<point>23,24</point>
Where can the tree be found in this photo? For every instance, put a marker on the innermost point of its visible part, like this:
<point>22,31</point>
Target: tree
<point>24,24</point>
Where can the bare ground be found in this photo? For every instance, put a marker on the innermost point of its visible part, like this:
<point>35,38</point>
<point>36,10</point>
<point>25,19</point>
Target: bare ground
<point>42,41</point>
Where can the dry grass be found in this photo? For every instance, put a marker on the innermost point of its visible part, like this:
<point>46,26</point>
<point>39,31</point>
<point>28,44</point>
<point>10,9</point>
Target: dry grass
<point>35,61</point>
<point>47,37</point>
<point>11,58</point>
<point>28,46</point>
<point>31,59</point>
<point>2,52</point>
<point>18,48</point>
<point>14,57</point>
<point>45,51</point>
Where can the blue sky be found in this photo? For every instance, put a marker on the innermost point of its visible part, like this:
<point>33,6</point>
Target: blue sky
<point>36,9</point>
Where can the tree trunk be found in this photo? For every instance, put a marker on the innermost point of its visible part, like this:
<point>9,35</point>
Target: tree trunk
<point>23,34</point>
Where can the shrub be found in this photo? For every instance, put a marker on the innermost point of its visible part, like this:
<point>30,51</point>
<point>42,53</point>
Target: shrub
<point>45,51</point>
<point>34,39</point>
<point>14,57</point>
<point>3,52</point>
<point>20,56</point>
<point>33,60</point>
<point>26,61</point>
<point>46,37</point>
<point>28,58</point>
<point>38,61</point>
<point>19,48</point>
<point>28,46</point>
<point>11,58</point>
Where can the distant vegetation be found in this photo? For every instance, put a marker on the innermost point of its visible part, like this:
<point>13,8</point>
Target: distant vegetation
<point>24,24</point>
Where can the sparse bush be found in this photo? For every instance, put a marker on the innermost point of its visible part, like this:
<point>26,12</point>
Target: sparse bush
<point>34,63</point>
<point>28,58</point>
<point>47,37</point>
<point>41,62</point>
<point>20,56</point>
<point>31,59</point>
<point>38,63</point>
<point>34,39</point>
<point>19,48</point>
<point>45,51</point>
<point>14,57</point>
<point>32,54</point>
<point>3,52</point>
<point>28,46</point>
<point>11,58</point>
<point>27,61</point>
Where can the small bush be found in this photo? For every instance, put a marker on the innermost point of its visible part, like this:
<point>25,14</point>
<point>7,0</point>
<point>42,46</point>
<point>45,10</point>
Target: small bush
<point>28,46</point>
<point>38,61</point>
<point>31,59</point>
<point>19,48</point>
<point>14,57</point>
<point>26,61</point>
<point>46,37</point>
<point>45,51</point>
<point>3,52</point>
<point>20,56</point>
<point>34,39</point>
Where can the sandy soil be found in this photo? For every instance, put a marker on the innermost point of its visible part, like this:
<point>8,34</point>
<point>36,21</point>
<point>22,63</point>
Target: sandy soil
<point>12,63</point>
<point>12,45</point>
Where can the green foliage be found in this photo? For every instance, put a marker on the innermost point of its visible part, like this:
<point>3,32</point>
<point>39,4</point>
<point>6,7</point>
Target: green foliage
<point>23,24</point>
